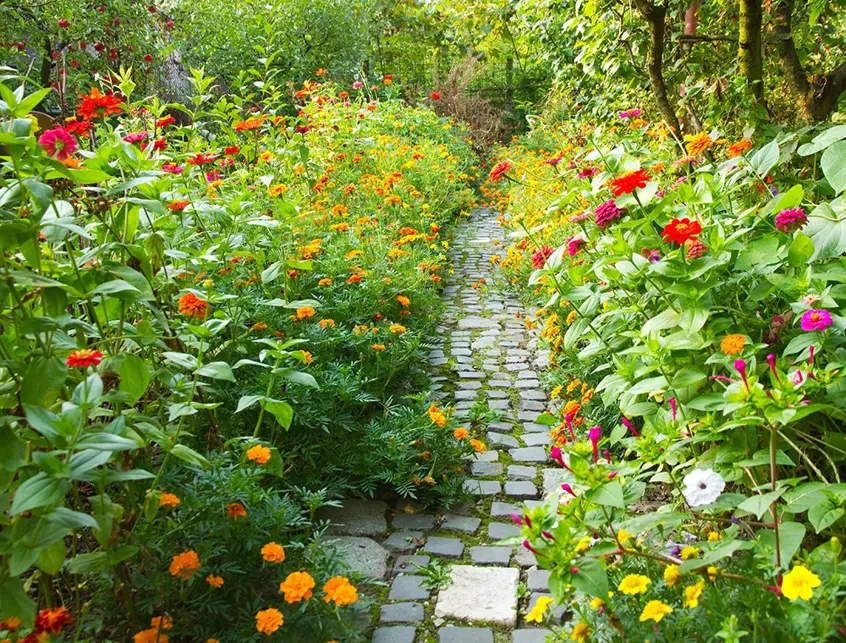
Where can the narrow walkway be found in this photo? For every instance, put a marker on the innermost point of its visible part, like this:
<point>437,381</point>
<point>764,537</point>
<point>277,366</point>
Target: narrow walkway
<point>489,359</point>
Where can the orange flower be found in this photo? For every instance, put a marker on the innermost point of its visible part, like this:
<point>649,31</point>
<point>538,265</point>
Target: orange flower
<point>326,323</point>
<point>338,589</point>
<point>340,227</point>
<point>168,500</point>
<point>460,433</point>
<point>249,124</point>
<point>192,306</point>
<point>325,282</point>
<point>273,553</point>
<point>215,581</point>
<point>236,510</point>
<point>269,620</point>
<point>259,454</point>
<point>736,149</point>
<point>162,622</point>
<point>185,564</point>
<point>308,358</point>
<point>479,446</point>
<point>297,587</point>
<point>259,326</point>
<point>397,328</point>
<point>680,230</point>
<point>733,344</point>
<point>178,206</point>
<point>151,635</point>
<point>698,143</point>
<point>405,302</point>
<point>378,347</point>
<point>354,279</point>
<point>83,358</point>
<point>305,312</point>
<point>437,416</point>
<point>52,620</point>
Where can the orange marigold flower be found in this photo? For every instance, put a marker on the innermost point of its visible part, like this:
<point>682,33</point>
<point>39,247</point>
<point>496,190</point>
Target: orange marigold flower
<point>11,624</point>
<point>185,564</point>
<point>151,635</point>
<point>269,620</point>
<point>277,190</point>
<point>52,620</point>
<point>736,149</point>
<point>571,409</point>
<point>697,143</point>
<point>339,589</point>
<point>83,358</point>
<point>326,323</point>
<point>236,510</point>
<point>397,328</point>
<point>215,581</point>
<point>479,446</point>
<point>273,553</point>
<point>405,302</point>
<point>325,282</point>
<point>168,500</point>
<point>297,587</point>
<point>354,279</point>
<point>307,358</point>
<point>259,326</point>
<point>305,312</point>
<point>437,416</point>
<point>733,344</point>
<point>460,433</point>
<point>192,306</point>
<point>680,230</point>
<point>259,454</point>
<point>249,124</point>
<point>378,347</point>
<point>340,227</point>
<point>627,183</point>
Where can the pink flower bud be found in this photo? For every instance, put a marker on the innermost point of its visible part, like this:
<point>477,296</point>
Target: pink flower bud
<point>593,435</point>
<point>568,489</point>
<point>771,362</point>
<point>574,570</point>
<point>740,366</point>
<point>628,424</point>
<point>673,406</point>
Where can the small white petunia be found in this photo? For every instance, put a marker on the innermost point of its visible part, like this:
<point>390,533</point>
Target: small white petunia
<point>702,487</point>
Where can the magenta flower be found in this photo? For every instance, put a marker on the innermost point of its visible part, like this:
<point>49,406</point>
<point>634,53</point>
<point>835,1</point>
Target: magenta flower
<point>740,366</point>
<point>593,434</point>
<point>628,424</point>
<point>771,362</point>
<point>357,84</point>
<point>555,454</point>
<point>605,214</point>
<point>574,244</point>
<point>172,168</point>
<point>517,519</point>
<point>588,172</point>
<point>816,320</point>
<point>673,406</point>
<point>791,220</point>
<point>58,143</point>
<point>135,137</point>
<point>568,489</point>
<point>540,257</point>
<point>553,161</point>
<point>528,546</point>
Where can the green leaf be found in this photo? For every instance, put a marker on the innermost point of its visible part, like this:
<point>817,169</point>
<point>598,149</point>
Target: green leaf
<point>687,376</point>
<point>282,411</point>
<point>15,602</point>
<point>190,456</point>
<point>70,519</point>
<point>766,158</point>
<point>184,360</point>
<point>38,491</point>
<point>43,381</point>
<point>759,504</point>
<point>247,401</point>
<point>824,515</point>
<point>707,402</point>
<point>117,287</point>
<point>805,496</point>
<point>216,370</point>
<point>51,558</point>
<point>828,232</point>
<point>269,274</point>
<point>134,376</point>
<point>591,578</point>
<point>13,451</point>
<point>833,165</point>
<point>298,377</point>
<point>790,536</point>
<point>93,562</point>
<point>801,251</point>
<point>105,442</point>
<point>609,495</point>
<point>712,556</point>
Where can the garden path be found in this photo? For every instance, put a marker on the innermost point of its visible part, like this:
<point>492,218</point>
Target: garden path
<point>486,356</point>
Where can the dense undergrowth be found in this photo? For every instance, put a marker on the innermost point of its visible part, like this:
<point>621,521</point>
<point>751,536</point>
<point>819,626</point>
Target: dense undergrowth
<point>691,302</point>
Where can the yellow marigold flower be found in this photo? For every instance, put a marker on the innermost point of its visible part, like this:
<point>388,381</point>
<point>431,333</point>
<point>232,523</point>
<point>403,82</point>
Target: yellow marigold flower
<point>580,633</point>
<point>714,536</point>
<point>326,323</point>
<point>537,612</point>
<point>799,582</point>
<point>460,433</point>
<point>732,344</point>
<point>689,552</point>
<point>265,157</point>
<point>713,571</point>
<point>697,143</point>
<point>325,282</point>
<point>596,603</point>
<point>273,553</point>
<point>168,500</point>
<point>305,312</point>
<point>405,302</point>
<point>672,575</point>
<point>478,446</point>
<point>397,328</point>
<point>277,190</point>
<point>269,620</point>
<point>340,227</point>
<point>437,416</point>
<point>583,544</point>
<point>692,594</point>
<point>378,347</point>
<point>259,454</point>
<point>259,326</point>
<point>339,589</point>
<point>622,536</point>
<point>214,581</point>
<point>571,317</point>
<point>655,611</point>
<point>308,358</point>
<point>634,584</point>
<point>185,564</point>
<point>556,391</point>
<point>297,587</point>
<point>352,254</point>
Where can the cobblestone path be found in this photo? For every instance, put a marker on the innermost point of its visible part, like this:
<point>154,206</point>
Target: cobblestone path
<point>486,357</point>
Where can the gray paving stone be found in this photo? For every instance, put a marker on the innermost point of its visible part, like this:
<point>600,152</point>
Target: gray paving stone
<point>401,613</point>
<point>500,439</point>
<point>520,489</point>
<point>522,472</point>
<point>499,405</point>
<point>465,395</point>
<point>504,509</point>
<point>468,385</point>
<point>482,487</point>
<point>403,541</point>
<point>499,383</point>
<point>524,558</point>
<point>531,406</point>
<point>471,375</point>
<point>439,361</point>
<point>529,454</point>
<point>527,384</point>
<point>464,524</point>
<point>404,634</point>
<point>530,636</point>
<point>491,455</point>
<point>496,395</point>
<point>503,427</point>
<point>452,634</point>
<point>536,439</point>
<point>554,478</point>
<point>444,547</point>
<point>490,555</point>
<point>462,600</point>
<point>356,517</point>
<point>537,580</point>
<point>364,555</point>
<point>407,564</point>
<point>532,394</point>
<point>472,322</point>
<point>534,427</point>
<point>486,469</point>
<point>500,530</point>
<point>408,588</point>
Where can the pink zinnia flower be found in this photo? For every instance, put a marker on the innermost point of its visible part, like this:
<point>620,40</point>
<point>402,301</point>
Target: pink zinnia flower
<point>605,214</point>
<point>357,84</point>
<point>574,244</point>
<point>58,143</point>
<point>540,257</point>
<point>816,320</point>
<point>791,220</point>
<point>135,137</point>
<point>172,168</point>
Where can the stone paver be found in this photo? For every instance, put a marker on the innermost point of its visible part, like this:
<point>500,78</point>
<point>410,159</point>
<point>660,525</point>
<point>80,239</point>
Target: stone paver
<point>464,601</point>
<point>463,524</point>
<point>408,588</point>
<point>529,454</point>
<point>364,555</point>
<point>530,636</point>
<point>413,521</point>
<point>357,518</point>
<point>403,634</point>
<point>500,530</point>
<point>401,613</point>
<point>538,580</point>
<point>408,564</point>
<point>482,487</point>
<point>490,555</point>
<point>520,489</point>
<point>403,541</point>
<point>444,547</point>
<point>452,634</point>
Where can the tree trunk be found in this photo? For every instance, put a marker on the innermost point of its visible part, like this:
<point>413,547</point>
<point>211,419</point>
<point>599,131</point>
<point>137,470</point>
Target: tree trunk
<point>46,63</point>
<point>655,15</point>
<point>509,84</point>
<point>818,97</point>
<point>749,53</point>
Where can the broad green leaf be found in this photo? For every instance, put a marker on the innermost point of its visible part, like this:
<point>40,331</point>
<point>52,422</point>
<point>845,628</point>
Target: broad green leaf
<point>805,496</point>
<point>591,578</point>
<point>38,491</point>
<point>827,230</point>
<point>710,557</point>
<point>190,456</point>
<point>790,536</point>
<point>105,442</point>
<point>282,411</point>
<point>609,494</point>
<point>216,370</point>
<point>833,165</point>
<point>15,602</point>
<point>687,376</point>
<point>801,251</point>
<point>765,158</point>
<point>823,515</point>
<point>759,504</point>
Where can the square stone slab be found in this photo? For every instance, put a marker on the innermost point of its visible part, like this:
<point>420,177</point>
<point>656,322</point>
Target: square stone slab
<point>445,547</point>
<point>530,636</point>
<point>500,439</point>
<point>404,634</point>
<point>490,555</point>
<point>462,600</point>
<point>364,555</point>
<point>453,634</point>
<point>464,524</point>
<point>486,469</point>
<point>536,439</point>
<point>356,517</point>
<point>505,509</point>
<point>408,564</point>
<point>500,530</point>
<point>482,487</point>
<point>408,588</point>
<point>401,613</point>
<point>529,454</point>
<point>524,557</point>
<point>403,541</point>
<point>537,580</point>
<point>522,472</point>
<point>413,521</point>
<point>520,489</point>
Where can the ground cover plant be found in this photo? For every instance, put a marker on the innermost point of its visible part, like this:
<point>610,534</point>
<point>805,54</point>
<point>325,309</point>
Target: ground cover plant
<point>691,303</point>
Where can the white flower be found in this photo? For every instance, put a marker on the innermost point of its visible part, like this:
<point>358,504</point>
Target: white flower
<point>702,487</point>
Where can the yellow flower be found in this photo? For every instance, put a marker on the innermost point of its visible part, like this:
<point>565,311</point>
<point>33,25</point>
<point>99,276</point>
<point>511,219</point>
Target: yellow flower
<point>437,416</point>
<point>697,143</point>
<point>537,612</point>
<point>672,575</point>
<point>714,536</point>
<point>397,328</point>
<point>622,536</point>
<point>583,544</point>
<point>634,584</point>
<point>692,594</point>
<point>556,391</point>
<point>799,582</point>
<point>689,552</point>
<point>378,347</point>
<point>304,312</point>
<point>596,603</point>
<point>580,633</point>
<point>655,611</point>
<point>712,573</point>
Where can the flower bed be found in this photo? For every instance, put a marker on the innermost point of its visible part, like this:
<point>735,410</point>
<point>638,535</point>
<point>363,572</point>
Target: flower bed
<point>692,308</point>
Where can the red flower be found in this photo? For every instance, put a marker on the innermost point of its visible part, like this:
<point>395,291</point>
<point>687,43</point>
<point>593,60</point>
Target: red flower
<point>232,149</point>
<point>98,105</point>
<point>58,143</point>
<point>52,620</point>
<point>83,358</point>
<point>178,206</point>
<point>148,58</point>
<point>680,230</point>
<point>627,183</point>
<point>436,96</point>
<point>540,257</point>
<point>203,159</point>
<point>164,122</point>
<point>499,171</point>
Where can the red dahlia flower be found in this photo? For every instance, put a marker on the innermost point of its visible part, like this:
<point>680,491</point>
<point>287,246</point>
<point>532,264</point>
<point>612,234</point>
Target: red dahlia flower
<point>680,230</point>
<point>83,358</point>
<point>627,183</point>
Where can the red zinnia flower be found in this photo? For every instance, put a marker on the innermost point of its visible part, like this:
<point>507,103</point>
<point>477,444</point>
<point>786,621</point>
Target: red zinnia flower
<point>52,620</point>
<point>178,206</point>
<point>499,171</point>
<point>83,358</point>
<point>540,257</point>
<point>203,159</point>
<point>436,96</point>
<point>98,105</point>
<point>164,122</point>
<point>680,230</point>
<point>192,306</point>
<point>627,183</point>
<point>233,149</point>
